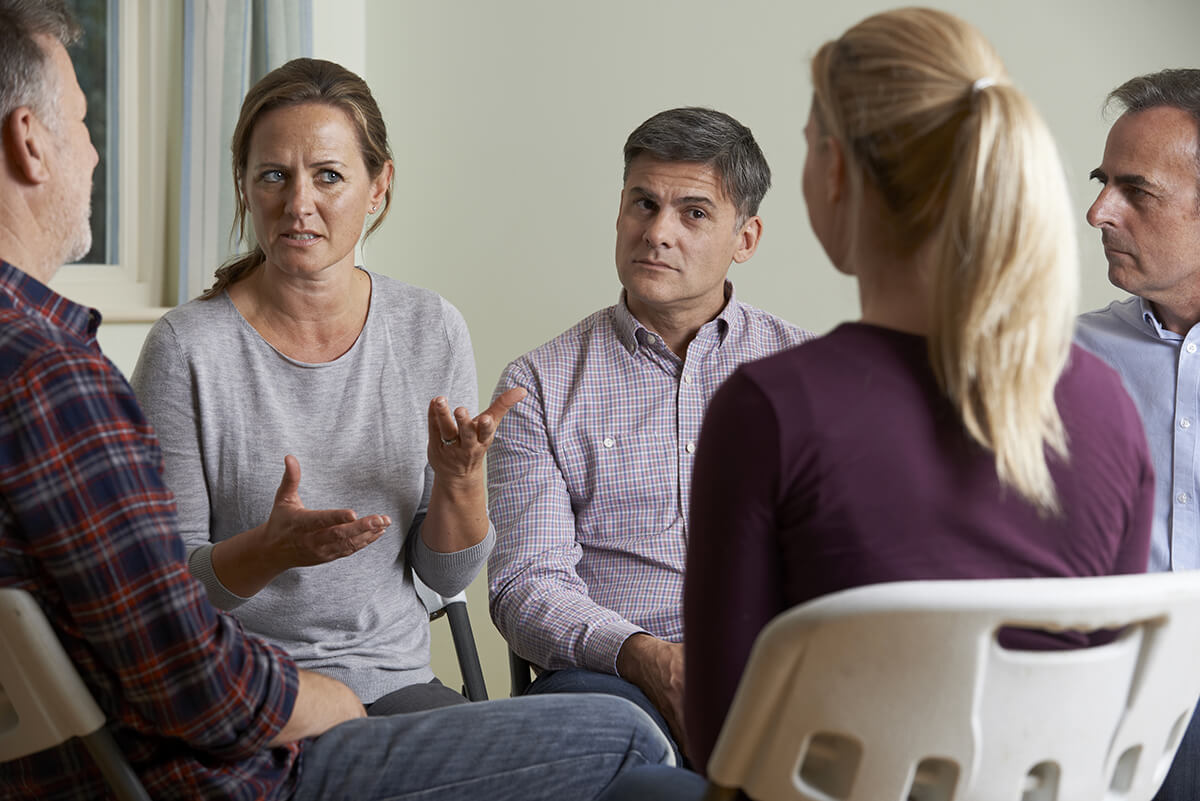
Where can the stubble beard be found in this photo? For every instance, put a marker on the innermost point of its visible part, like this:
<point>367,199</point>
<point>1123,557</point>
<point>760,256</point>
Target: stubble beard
<point>72,223</point>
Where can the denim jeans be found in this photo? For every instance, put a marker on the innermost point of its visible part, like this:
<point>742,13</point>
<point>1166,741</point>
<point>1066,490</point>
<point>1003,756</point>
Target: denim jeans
<point>579,680</point>
<point>556,748</point>
<point>1183,779</point>
<point>656,783</point>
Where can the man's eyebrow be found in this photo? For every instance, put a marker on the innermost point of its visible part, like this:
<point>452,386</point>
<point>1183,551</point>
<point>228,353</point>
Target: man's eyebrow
<point>695,200</point>
<point>686,200</point>
<point>1127,179</point>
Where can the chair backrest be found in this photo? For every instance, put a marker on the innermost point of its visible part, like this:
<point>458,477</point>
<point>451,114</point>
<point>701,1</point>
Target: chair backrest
<point>520,673</point>
<point>465,649</point>
<point>901,691</point>
<point>43,701</point>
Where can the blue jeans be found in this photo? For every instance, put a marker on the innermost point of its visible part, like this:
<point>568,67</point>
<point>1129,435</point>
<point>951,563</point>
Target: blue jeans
<point>579,680</point>
<point>1183,779</point>
<point>517,749</point>
<point>657,782</point>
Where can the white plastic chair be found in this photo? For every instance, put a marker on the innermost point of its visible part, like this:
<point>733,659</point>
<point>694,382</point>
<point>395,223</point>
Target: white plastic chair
<point>900,691</point>
<point>43,702</point>
<point>455,610</point>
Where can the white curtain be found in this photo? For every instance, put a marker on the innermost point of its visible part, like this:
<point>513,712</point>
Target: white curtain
<point>228,46</point>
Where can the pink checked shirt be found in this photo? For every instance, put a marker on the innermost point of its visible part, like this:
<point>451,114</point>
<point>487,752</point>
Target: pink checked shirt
<point>590,475</point>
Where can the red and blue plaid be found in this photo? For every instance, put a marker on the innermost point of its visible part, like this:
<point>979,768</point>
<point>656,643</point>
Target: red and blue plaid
<point>88,527</point>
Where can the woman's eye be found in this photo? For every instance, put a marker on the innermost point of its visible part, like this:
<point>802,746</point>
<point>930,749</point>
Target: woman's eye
<point>329,176</point>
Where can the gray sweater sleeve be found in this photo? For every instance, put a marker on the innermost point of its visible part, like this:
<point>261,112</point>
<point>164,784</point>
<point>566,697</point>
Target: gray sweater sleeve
<point>163,385</point>
<point>449,573</point>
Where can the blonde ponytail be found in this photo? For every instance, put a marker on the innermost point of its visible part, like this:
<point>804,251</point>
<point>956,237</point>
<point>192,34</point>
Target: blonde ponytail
<point>1005,286</point>
<point>922,106</point>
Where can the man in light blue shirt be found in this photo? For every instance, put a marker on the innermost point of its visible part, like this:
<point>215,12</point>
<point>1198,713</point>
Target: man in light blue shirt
<point>1148,213</point>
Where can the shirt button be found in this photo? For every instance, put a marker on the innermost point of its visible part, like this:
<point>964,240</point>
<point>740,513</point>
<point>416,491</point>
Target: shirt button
<point>1191,347</point>
<point>1182,497</point>
<point>1185,423</point>
<point>609,442</point>
<point>687,378</point>
<point>653,340</point>
<point>690,447</point>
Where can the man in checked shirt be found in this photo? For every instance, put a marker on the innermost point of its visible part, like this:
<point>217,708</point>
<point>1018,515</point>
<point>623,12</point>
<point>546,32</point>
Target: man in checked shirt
<point>589,478</point>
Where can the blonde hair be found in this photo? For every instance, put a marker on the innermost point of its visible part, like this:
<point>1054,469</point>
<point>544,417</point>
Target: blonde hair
<point>923,109</point>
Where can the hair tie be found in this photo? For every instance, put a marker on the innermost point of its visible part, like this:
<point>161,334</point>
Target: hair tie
<point>981,84</point>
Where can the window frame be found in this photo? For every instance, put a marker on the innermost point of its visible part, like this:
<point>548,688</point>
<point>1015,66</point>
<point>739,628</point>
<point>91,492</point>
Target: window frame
<point>132,288</point>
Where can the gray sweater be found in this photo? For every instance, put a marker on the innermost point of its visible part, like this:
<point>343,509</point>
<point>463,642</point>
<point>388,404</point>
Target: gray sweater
<point>228,407</point>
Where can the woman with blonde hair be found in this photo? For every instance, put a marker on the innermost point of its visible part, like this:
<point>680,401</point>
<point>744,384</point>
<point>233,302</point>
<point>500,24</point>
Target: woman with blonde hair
<point>952,431</point>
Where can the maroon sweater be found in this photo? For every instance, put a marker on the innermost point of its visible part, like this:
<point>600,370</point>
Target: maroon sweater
<point>839,463</point>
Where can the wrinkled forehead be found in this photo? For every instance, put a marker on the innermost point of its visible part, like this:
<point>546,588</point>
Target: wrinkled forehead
<point>62,85</point>
<point>1160,143</point>
<point>676,178</point>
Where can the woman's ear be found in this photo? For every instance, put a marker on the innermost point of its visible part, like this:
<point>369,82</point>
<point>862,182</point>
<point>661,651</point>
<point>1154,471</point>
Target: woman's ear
<point>380,184</point>
<point>835,170</point>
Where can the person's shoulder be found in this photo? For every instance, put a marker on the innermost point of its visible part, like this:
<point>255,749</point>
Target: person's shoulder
<point>27,340</point>
<point>1092,383</point>
<point>416,314</point>
<point>390,289</point>
<point>1119,318</point>
<point>765,324</point>
<point>38,358</point>
<point>1092,393</point>
<point>197,316</point>
<point>562,348</point>
<point>759,333</point>
<point>197,330</point>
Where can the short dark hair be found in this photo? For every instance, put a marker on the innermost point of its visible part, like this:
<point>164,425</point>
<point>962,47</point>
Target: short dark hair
<point>1171,88</point>
<point>705,136</point>
<point>24,78</point>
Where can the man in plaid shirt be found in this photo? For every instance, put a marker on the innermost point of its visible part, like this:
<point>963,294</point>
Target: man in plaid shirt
<point>87,526</point>
<point>589,478</point>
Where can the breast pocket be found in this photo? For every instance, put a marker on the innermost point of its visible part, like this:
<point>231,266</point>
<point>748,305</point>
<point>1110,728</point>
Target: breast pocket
<point>623,485</point>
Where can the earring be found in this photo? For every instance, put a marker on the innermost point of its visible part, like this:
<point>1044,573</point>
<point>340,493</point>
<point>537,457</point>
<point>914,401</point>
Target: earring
<point>372,209</point>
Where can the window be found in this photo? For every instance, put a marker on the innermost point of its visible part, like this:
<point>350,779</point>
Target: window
<point>125,66</point>
<point>95,66</point>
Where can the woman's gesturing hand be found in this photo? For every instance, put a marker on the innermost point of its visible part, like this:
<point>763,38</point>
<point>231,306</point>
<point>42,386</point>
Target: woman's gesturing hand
<point>457,443</point>
<point>303,537</point>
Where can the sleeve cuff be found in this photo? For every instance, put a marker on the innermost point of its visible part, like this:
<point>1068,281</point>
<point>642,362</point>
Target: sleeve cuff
<point>449,573</point>
<point>604,643</point>
<point>200,565</point>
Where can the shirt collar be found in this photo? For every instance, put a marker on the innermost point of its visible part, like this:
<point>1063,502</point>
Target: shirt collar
<point>633,334</point>
<point>1149,320</point>
<point>29,294</point>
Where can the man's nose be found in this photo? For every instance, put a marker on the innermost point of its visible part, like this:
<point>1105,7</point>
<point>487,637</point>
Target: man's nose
<point>660,230</point>
<point>1103,209</point>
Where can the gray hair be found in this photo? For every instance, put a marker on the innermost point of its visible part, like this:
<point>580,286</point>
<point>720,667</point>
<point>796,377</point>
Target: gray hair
<point>709,137</point>
<point>1171,88</point>
<point>24,77</point>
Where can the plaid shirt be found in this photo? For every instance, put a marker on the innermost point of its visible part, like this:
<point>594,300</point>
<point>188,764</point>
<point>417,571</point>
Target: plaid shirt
<point>88,527</point>
<point>589,478</point>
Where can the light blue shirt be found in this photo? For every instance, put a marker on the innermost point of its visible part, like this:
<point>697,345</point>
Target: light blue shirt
<point>1161,371</point>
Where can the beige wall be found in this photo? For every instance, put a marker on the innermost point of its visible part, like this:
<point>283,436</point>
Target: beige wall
<point>507,120</point>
